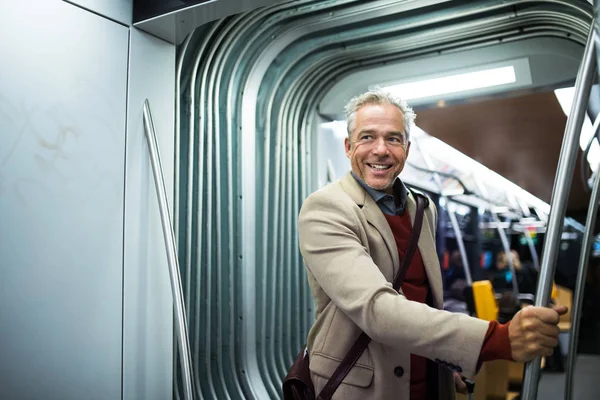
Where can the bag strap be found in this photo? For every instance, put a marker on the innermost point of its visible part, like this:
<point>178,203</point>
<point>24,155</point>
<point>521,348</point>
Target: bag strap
<point>363,340</point>
<point>422,203</point>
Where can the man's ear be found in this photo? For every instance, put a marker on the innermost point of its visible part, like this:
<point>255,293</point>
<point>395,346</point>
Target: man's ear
<point>347,146</point>
<point>407,148</point>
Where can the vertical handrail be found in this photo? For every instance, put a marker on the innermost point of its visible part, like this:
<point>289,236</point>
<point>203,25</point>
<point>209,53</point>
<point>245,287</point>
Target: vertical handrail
<point>169,236</point>
<point>560,195</point>
<point>533,251</point>
<point>582,274</point>
<point>588,236</point>
<point>461,246</point>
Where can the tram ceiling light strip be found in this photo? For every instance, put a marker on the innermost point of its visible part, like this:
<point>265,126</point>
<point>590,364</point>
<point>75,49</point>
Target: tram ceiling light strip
<point>455,83</point>
<point>507,74</point>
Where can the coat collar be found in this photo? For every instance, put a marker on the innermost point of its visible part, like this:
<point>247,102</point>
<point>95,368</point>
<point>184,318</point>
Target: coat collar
<point>376,218</point>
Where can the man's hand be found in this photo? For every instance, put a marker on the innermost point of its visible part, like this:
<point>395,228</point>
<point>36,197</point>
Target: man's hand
<point>460,386</point>
<point>534,331</point>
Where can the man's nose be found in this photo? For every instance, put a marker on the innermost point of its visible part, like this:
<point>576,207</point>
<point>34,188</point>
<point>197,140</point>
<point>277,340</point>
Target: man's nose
<point>380,147</point>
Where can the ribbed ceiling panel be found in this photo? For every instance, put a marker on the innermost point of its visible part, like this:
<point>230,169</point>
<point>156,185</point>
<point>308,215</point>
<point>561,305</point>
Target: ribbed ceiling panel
<point>248,90</point>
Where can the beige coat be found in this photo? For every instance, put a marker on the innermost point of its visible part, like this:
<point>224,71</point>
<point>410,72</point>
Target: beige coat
<point>351,258</point>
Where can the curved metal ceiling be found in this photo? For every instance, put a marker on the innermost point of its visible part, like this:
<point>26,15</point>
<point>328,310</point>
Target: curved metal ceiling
<point>248,90</point>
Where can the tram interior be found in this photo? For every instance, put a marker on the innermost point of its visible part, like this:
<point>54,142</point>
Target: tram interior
<point>247,108</point>
<point>478,218</point>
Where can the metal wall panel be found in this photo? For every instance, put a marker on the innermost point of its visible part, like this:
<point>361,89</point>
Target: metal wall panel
<point>148,304</point>
<point>208,218</point>
<point>62,124</point>
<point>597,27</point>
<point>119,10</point>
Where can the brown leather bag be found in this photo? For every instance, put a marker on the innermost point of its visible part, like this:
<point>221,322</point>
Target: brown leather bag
<point>297,384</point>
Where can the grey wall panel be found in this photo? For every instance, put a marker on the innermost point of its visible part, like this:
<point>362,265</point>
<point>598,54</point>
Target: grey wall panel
<point>148,316</point>
<point>119,10</point>
<point>62,123</point>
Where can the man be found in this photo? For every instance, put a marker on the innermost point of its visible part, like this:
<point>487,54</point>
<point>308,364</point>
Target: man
<point>501,277</point>
<point>352,236</point>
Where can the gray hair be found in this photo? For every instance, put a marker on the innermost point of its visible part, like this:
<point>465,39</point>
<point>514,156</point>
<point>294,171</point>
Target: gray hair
<point>377,97</point>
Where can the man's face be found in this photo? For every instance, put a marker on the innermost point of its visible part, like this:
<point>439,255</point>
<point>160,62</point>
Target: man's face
<point>378,148</point>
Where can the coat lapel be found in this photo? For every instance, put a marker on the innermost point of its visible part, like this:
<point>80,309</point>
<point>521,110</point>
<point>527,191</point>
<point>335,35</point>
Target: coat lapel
<point>373,214</point>
<point>426,246</point>
<point>426,243</point>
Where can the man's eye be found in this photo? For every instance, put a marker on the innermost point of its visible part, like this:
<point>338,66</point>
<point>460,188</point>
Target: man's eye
<point>366,137</point>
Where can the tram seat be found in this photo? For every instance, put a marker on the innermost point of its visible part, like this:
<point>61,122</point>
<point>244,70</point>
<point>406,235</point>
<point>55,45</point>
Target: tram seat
<point>492,379</point>
<point>484,300</point>
<point>499,379</point>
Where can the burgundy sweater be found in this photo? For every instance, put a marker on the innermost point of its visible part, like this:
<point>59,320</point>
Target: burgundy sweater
<point>496,344</point>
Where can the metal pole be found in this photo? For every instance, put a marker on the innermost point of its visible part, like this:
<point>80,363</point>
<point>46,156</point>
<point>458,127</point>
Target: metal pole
<point>582,273</point>
<point>534,255</point>
<point>560,195</point>
<point>461,245</point>
<point>588,237</point>
<point>169,236</point>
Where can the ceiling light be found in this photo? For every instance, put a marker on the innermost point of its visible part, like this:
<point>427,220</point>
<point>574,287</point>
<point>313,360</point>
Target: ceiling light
<point>565,99</point>
<point>455,83</point>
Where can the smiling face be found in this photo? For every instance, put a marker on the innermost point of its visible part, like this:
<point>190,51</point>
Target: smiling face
<point>378,147</point>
